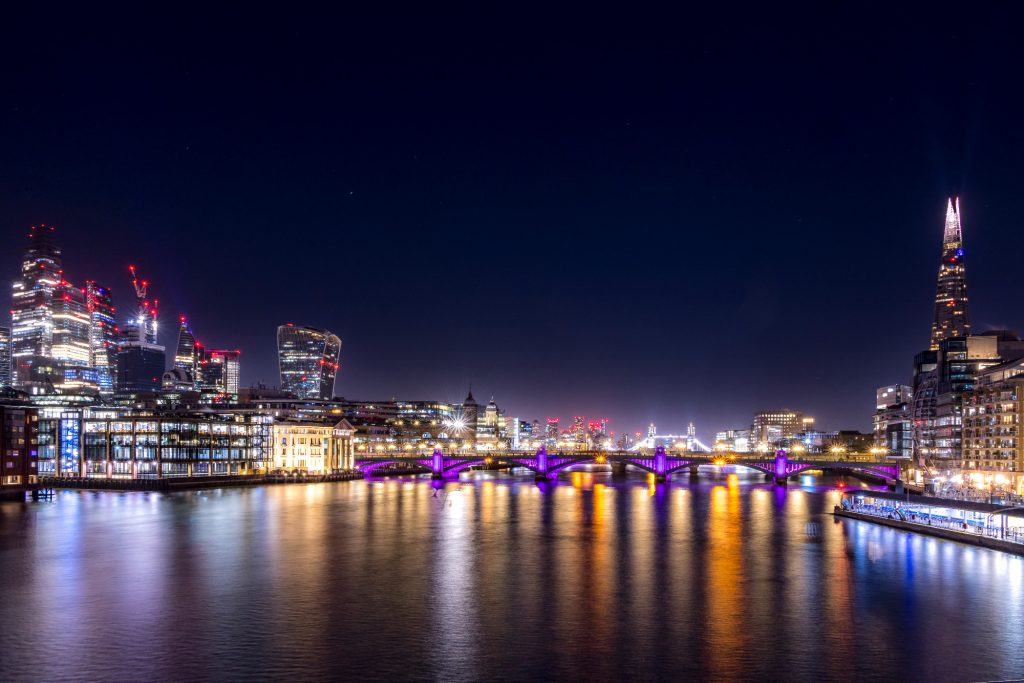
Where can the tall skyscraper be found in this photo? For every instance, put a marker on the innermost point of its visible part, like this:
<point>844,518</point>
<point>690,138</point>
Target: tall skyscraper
<point>32,309</point>
<point>951,315</point>
<point>188,354</point>
<point>50,331</point>
<point>308,360</point>
<point>102,335</point>
<point>6,375</point>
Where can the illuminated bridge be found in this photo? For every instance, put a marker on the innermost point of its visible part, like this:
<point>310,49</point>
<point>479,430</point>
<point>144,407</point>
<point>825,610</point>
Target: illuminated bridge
<point>661,464</point>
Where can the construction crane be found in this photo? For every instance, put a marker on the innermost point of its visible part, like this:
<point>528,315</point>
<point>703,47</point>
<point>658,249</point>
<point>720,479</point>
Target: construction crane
<point>145,322</point>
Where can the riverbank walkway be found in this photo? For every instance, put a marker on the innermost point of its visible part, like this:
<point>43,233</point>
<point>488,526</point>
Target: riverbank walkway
<point>977,523</point>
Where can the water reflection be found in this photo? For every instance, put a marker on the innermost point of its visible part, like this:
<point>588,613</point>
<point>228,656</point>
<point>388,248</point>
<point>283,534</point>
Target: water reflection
<point>496,577</point>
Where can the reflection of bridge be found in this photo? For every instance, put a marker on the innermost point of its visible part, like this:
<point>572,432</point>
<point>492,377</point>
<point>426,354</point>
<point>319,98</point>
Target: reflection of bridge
<point>662,464</point>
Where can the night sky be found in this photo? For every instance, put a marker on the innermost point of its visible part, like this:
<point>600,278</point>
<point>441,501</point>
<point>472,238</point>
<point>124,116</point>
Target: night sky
<point>665,218</point>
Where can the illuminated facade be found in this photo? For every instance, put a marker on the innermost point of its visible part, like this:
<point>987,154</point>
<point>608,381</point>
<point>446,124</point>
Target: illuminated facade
<point>993,440</point>
<point>102,335</point>
<point>941,380</point>
<point>109,444</point>
<point>50,331</point>
<point>772,426</point>
<point>220,371</point>
<point>307,360</point>
<point>6,370</point>
<point>312,447</point>
<point>735,440</point>
<point>951,314</point>
<point>188,354</point>
<point>892,423</point>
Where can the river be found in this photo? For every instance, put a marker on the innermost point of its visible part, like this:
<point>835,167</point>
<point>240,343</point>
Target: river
<point>492,578</point>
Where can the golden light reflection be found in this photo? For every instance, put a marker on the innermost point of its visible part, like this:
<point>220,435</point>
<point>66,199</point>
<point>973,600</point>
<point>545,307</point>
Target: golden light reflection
<point>602,620</point>
<point>725,575</point>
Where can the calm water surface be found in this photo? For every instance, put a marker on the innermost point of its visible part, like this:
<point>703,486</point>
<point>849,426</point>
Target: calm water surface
<point>495,578</point>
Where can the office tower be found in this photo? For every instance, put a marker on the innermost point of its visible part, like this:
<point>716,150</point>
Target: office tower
<point>308,361</point>
<point>140,359</point>
<point>187,354</point>
<point>772,426</point>
<point>32,309</point>
<point>579,428</point>
<point>50,331</point>
<point>220,371</point>
<point>139,367</point>
<point>103,334</point>
<point>551,431</point>
<point>951,315</point>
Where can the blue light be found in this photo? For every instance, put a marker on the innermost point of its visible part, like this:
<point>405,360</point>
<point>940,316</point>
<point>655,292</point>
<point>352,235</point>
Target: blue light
<point>959,252</point>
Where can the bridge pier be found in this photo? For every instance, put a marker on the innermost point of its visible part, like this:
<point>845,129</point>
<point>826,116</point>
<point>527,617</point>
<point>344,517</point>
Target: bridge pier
<point>660,464</point>
<point>780,467</point>
<point>542,464</point>
<point>437,464</point>
<point>694,475</point>
<point>618,469</point>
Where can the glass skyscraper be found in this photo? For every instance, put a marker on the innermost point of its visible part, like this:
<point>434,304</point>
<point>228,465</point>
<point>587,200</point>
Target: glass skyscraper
<point>951,316</point>
<point>103,334</point>
<point>188,354</point>
<point>50,321</point>
<point>308,360</point>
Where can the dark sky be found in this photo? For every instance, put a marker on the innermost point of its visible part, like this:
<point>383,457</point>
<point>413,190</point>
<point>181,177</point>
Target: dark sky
<point>669,218</point>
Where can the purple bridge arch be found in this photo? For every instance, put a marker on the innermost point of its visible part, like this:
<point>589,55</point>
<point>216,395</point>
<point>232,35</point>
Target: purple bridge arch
<point>544,465</point>
<point>661,464</point>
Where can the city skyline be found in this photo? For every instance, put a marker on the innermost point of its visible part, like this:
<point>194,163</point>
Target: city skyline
<point>438,343</point>
<point>576,254</point>
<point>950,319</point>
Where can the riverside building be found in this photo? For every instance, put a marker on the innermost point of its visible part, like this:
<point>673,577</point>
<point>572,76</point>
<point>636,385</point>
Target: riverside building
<point>19,445</point>
<point>942,379</point>
<point>993,443</point>
<point>771,427</point>
<point>6,374</point>
<point>109,443</point>
<point>313,447</point>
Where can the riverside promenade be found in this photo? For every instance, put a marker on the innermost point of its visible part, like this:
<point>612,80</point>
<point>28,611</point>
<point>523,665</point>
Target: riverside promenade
<point>999,527</point>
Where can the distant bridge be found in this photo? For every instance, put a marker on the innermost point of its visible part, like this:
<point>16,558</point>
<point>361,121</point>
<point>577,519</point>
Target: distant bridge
<point>661,464</point>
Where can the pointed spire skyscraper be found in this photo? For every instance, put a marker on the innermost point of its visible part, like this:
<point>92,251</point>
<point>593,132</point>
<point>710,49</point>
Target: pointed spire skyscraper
<point>951,316</point>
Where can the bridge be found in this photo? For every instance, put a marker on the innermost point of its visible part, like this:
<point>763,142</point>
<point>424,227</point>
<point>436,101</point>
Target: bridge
<point>661,464</point>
